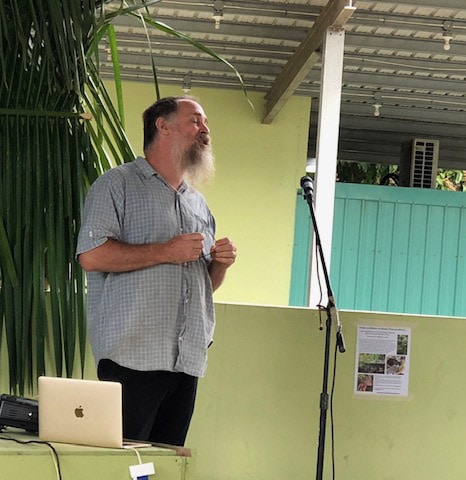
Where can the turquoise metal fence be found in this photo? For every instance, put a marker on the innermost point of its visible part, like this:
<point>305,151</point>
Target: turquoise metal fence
<point>396,250</point>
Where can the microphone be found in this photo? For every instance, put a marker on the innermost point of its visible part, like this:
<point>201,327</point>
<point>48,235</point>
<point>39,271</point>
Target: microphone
<point>307,186</point>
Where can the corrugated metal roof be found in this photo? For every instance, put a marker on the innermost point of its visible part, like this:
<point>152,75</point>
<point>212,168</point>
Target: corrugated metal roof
<point>394,52</point>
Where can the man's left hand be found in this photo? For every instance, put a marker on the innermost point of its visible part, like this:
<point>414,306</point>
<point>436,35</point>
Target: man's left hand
<point>223,252</point>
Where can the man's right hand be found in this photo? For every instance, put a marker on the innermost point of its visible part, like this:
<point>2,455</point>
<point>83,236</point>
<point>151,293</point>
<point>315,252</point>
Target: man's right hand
<point>184,248</point>
<point>114,256</point>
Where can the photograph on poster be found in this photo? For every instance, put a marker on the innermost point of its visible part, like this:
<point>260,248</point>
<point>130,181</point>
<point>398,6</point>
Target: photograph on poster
<point>382,360</point>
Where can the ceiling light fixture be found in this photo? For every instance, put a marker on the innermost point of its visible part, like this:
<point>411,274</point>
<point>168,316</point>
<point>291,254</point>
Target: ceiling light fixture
<point>377,105</point>
<point>186,84</point>
<point>447,34</point>
<point>218,13</point>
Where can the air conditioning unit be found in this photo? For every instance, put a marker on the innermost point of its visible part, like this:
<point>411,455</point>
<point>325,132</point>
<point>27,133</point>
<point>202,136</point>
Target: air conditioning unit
<point>419,163</point>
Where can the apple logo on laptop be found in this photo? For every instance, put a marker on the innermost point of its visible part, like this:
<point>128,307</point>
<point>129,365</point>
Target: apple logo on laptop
<point>79,412</point>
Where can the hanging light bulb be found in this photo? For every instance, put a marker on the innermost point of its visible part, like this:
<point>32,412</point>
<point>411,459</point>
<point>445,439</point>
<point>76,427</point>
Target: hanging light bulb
<point>377,104</point>
<point>218,13</point>
<point>447,34</point>
<point>186,84</point>
<point>447,38</point>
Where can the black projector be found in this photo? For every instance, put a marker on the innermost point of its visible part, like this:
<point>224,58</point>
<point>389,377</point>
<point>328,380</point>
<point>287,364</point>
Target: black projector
<point>19,413</point>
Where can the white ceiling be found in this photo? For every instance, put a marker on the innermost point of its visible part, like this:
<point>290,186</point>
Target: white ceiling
<point>394,56</point>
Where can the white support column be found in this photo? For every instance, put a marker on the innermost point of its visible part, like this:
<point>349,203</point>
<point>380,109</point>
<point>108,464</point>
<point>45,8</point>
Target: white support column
<point>326,153</point>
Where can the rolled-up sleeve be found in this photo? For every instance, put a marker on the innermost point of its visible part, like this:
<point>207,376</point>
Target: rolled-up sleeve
<point>102,214</point>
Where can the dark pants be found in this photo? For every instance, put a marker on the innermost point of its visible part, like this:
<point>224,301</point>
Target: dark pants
<point>157,405</point>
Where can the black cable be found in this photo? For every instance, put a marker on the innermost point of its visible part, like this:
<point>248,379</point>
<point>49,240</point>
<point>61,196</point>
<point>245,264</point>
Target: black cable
<point>332,391</point>
<point>319,303</point>
<point>321,308</point>
<point>55,453</point>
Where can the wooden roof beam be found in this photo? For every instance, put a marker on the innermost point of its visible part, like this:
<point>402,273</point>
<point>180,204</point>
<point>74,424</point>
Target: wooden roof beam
<point>335,14</point>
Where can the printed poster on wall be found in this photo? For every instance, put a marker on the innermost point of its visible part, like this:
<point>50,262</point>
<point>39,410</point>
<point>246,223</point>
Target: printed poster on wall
<point>382,361</point>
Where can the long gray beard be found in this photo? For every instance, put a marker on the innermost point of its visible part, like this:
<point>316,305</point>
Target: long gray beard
<point>199,164</point>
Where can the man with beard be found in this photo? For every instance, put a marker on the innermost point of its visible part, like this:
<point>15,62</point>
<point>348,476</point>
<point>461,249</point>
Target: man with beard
<point>147,241</point>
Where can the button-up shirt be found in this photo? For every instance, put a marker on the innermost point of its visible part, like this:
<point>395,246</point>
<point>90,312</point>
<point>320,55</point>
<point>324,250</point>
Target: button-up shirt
<point>155,318</point>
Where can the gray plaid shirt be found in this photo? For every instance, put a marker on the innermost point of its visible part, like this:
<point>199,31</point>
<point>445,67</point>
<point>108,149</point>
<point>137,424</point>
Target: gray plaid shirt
<point>156,318</point>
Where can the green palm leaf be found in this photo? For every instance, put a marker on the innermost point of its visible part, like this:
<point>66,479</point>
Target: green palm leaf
<point>170,31</point>
<point>50,152</point>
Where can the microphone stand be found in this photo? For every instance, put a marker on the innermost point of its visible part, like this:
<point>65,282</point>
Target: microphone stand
<point>332,316</point>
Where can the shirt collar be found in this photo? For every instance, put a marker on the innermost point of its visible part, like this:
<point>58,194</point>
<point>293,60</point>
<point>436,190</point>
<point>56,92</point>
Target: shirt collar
<point>149,171</point>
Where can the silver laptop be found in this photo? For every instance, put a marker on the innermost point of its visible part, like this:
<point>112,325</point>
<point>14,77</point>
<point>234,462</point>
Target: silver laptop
<point>83,412</point>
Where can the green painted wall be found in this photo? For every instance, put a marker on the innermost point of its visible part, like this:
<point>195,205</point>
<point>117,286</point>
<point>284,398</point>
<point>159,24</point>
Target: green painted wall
<point>258,407</point>
<point>299,284</point>
<point>253,194</point>
<point>257,412</point>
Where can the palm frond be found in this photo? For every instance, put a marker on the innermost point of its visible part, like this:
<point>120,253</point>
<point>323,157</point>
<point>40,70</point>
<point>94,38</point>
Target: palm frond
<point>170,31</point>
<point>116,72</point>
<point>42,182</point>
<point>50,152</point>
